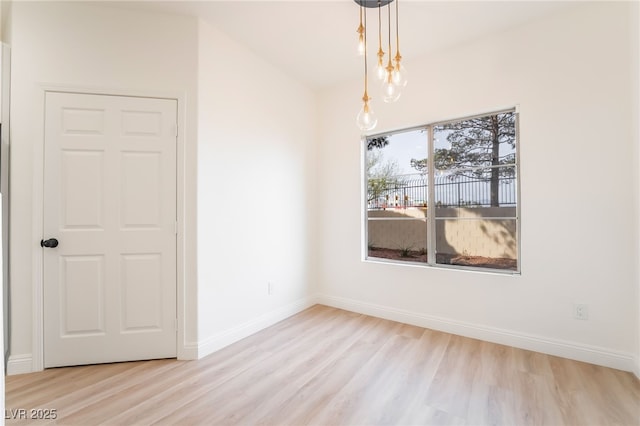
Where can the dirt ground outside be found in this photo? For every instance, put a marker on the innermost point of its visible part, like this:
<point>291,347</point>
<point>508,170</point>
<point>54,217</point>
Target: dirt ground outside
<point>446,259</point>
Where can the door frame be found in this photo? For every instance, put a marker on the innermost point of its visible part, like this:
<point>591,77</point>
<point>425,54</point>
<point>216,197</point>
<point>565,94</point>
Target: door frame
<point>38,214</point>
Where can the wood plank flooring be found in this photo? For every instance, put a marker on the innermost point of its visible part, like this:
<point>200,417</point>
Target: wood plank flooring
<point>327,366</point>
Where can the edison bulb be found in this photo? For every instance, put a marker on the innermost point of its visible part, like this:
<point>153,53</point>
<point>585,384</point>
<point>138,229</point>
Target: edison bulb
<point>399,76</point>
<point>390,90</point>
<point>380,71</point>
<point>366,119</point>
<point>361,45</point>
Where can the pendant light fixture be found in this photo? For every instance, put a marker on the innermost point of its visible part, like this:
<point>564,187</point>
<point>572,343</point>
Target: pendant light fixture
<point>393,75</point>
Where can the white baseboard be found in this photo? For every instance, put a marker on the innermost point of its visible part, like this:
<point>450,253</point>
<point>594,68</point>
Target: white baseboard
<point>188,352</point>
<point>19,364</point>
<point>227,337</point>
<point>565,349</point>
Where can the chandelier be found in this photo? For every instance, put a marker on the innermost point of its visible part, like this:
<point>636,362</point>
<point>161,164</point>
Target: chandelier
<point>393,76</point>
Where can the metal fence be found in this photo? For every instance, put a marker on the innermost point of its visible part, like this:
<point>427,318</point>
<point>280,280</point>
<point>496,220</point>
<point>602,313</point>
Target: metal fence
<point>459,191</point>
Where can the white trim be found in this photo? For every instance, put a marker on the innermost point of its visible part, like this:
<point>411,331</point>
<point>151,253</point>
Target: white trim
<point>181,226</point>
<point>189,351</point>
<point>182,348</point>
<point>562,348</point>
<point>228,337</point>
<point>364,216</point>
<point>37,337</point>
<point>19,364</point>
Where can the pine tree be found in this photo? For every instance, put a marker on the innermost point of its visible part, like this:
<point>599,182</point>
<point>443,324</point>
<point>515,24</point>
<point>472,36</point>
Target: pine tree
<point>475,150</point>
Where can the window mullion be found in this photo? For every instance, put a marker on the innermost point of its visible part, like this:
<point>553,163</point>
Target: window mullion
<point>431,200</point>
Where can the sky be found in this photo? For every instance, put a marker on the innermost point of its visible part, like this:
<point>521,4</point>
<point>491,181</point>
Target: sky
<point>411,144</point>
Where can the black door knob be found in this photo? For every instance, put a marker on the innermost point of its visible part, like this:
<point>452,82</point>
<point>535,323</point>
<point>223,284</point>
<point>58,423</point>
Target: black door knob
<point>50,243</point>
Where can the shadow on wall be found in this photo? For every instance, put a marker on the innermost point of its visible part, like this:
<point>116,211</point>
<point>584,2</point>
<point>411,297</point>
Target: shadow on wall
<point>503,233</point>
<point>477,231</point>
<point>481,231</point>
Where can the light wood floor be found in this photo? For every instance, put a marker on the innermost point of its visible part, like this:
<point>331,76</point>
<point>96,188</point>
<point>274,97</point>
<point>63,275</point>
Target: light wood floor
<point>326,366</point>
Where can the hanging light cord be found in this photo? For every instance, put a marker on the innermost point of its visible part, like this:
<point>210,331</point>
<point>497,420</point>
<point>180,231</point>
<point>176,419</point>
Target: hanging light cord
<point>380,25</point>
<point>389,66</point>
<point>398,57</point>
<point>360,32</point>
<point>365,98</point>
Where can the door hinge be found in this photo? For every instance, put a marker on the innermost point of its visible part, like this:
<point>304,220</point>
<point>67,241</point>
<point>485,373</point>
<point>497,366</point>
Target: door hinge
<point>175,227</point>
<point>175,325</point>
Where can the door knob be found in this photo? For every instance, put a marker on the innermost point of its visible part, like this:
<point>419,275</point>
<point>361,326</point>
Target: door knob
<point>50,243</point>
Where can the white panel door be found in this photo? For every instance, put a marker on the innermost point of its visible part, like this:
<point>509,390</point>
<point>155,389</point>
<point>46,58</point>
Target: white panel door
<point>110,202</point>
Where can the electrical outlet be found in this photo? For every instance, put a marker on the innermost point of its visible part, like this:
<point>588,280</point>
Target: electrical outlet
<point>580,311</point>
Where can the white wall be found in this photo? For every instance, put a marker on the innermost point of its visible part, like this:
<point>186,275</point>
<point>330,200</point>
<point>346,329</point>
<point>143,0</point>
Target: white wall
<point>634,19</point>
<point>570,76</point>
<point>108,49</point>
<point>256,192</point>
<point>4,9</point>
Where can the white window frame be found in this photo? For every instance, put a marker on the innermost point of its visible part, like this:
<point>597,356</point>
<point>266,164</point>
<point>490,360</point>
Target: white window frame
<point>430,217</point>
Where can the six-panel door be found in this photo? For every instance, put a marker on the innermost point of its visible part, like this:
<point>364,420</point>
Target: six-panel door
<point>110,201</point>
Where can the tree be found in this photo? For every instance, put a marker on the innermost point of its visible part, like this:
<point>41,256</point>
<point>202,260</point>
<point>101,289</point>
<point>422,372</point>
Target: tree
<point>475,150</point>
<point>381,173</point>
<point>419,165</point>
<point>377,142</point>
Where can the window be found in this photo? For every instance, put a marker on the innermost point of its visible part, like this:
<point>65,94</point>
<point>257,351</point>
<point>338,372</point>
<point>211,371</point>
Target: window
<point>445,194</point>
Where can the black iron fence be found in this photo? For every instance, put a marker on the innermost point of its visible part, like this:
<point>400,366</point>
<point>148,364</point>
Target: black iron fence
<point>450,191</point>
